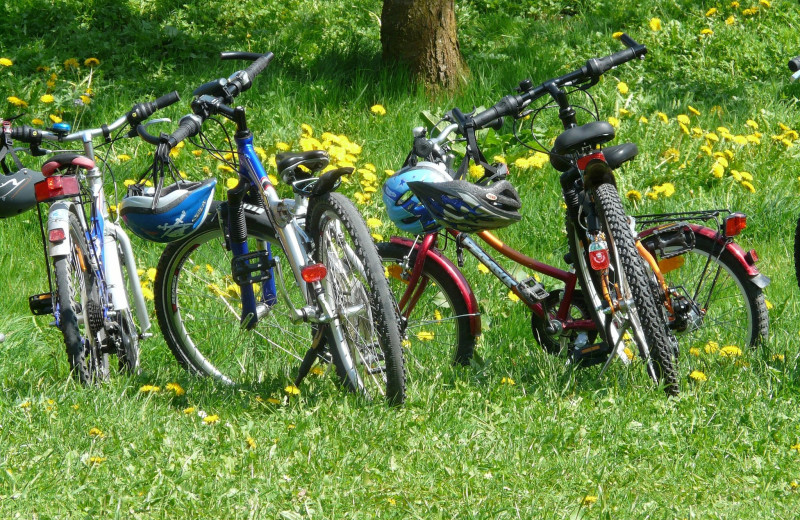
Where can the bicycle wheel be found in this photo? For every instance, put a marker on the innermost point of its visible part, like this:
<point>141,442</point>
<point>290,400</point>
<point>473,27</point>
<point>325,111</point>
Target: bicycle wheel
<point>797,252</point>
<point>198,307</point>
<point>128,343</point>
<point>78,311</point>
<point>369,360</point>
<point>628,277</point>
<point>438,325</point>
<point>713,299</point>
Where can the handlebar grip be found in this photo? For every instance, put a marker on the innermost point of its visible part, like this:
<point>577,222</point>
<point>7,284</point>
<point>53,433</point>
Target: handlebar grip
<point>142,111</point>
<point>189,127</point>
<point>596,67</point>
<point>492,116</point>
<point>258,66</point>
<point>26,134</point>
<point>794,64</point>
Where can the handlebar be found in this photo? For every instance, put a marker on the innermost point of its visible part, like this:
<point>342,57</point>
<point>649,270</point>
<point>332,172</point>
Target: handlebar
<point>512,105</point>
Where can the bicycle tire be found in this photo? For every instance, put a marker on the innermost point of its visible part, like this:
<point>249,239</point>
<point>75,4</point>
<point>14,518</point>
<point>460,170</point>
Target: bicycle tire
<point>77,297</point>
<point>797,252</point>
<point>198,308</point>
<point>656,345</point>
<point>128,347</point>
<point>730,309</point>
<point>439,324</point>
<point>356,279</point>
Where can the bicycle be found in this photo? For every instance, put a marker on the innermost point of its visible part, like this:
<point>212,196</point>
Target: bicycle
<point>794,67</point>
<point>91,255</point>
<point>220,295</point>
<point>619,285</point>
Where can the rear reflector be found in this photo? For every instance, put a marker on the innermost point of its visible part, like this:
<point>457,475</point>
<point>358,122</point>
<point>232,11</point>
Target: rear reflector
<point>54,188</point>
<point>735,224</point>
<point>56,235</point>
<point>314,272</point>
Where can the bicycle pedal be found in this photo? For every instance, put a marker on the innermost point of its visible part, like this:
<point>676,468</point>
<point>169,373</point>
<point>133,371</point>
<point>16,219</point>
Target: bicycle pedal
<point>532,290</point>
<point>590,355</point>
<point>252,268</point>
<point>41,304</point>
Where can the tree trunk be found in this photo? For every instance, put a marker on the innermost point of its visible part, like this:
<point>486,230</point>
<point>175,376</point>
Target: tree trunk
<point>422,35</point>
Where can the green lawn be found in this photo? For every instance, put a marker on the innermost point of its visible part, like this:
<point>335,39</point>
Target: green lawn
<point>516,435</point>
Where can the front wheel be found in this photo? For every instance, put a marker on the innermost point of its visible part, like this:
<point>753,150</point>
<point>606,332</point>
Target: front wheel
<point>78,309</point>
<point>797,252</point>
<point>620,296</point>
<point>364,338</point>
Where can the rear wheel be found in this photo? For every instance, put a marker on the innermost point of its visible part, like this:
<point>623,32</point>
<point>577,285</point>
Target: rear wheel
<point>437,326</point>
<point>366,348</point>
<point>623,292</point>
<point>78,309</point>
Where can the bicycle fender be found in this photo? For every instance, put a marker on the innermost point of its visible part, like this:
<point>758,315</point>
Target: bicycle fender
<point>58,219</point>
<point>461,282</point>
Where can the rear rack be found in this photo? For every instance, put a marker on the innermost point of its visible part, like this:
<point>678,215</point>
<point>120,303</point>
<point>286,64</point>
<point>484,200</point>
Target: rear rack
<point>649,220</point>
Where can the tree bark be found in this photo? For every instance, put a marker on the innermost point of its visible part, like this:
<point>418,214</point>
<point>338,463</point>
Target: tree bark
<point>421,34</point>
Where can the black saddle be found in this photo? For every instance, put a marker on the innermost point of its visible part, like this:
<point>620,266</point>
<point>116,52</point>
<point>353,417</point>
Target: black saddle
<point>300,165</point>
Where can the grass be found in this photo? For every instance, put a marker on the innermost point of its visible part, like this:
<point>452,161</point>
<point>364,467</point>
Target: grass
<point>557,443</point>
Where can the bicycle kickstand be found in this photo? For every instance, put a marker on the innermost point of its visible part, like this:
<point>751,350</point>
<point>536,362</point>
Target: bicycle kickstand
<point>313,353</point>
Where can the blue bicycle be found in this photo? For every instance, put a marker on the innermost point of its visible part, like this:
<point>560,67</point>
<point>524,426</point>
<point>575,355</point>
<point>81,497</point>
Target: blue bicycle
<point>221,297</point>
<point>91,255</point>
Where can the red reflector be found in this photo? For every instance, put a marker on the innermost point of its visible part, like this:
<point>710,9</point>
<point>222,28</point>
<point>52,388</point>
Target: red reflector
<point>751,257</point>
<point>584,161</point>
<point>53,188</point>
<point>734,224</point>
<point>314,272</point>
<point>56,235</point>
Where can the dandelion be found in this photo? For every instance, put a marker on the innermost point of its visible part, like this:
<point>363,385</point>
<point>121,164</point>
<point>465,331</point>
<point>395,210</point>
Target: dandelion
<point>149,389</point>
<point>730,351</point>
<point>748,186</point>
<point>711,347</point>
<point>5,62</point>
<point>391,501</point>
<point>634,195</point>
<point>693,110</point>
<point>91,62</point>
<point>189,411</point>
<point>37,122</point>
<point>96,432</point>
<point>622,87</point>
<point>47,98</point>
<point>655,24</point>
<point>706,32</point>
<point>483,269</point>
<point>512,296</point>
<point>613,121</point>
<point>717,170</point>
<point>507,381</point>
<point>97,460</point>
<point>683,119</point>
<point>306,130</point>
<point>629,353</point>
<point>71,63</point>
<point>698,376</point>
<point>712,137</point>
<point>750,11</point>
<point>663,117</point>
<point>17,102</point>
<point>711,12</point>
<point>730,20</point>
<point>374,223</point>
<point>292,390</point>
<point>764,3</point>
<point>768,304</point>
<point>378,110</point>
<point>671,155</point>
<point>694,351</point>
<point>424,335</point>
<point>85,99</point>
<point>793,484</point>
<point>735,4</point>
<point>317,370</point>
<point>778,357</point>
<point>251,443</point>
<point>55,119</point>
<point>175,388</point>
<point>476,171</point>
<point>588,500</point>
<point>211,419</point>
<point>25,404</point>
<point>148,294</point>
<point>643,120</point>
<point>272,400</point>
<point>752,124</point>
<point>796,447</point>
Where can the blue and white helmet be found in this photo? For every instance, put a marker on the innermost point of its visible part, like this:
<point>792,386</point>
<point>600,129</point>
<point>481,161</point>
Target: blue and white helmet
<point>180,209</point>
<point>403,207</point>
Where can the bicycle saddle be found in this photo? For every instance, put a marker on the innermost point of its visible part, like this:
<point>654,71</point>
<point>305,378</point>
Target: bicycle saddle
<point>66,161</point>
<point>590,134</point>
<point>289,164</point>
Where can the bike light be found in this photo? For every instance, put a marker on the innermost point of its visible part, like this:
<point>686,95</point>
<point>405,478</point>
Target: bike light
<point>751,257</point>
<point>734,224</point>
<point>314,272</point>
<point>53,188</point>
<point>56,235</point>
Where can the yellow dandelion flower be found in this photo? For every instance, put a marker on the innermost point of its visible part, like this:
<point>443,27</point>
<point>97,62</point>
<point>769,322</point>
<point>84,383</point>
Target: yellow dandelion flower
<point>588,500</point>
<point>617,35</point>
<point>698,376</point>
<point>683,119</point>
<point>377,237</point>
<point>671,155</point>
<point>793,484</point>
<point>85,99</point>
<point>17,102</point>
<point>795,447</point>
<point>374,223</point>
<point>97,460</point>
<point>663,117</point>
<point>25,404</point>
<point>655,24</point>
<point>47,98</point>
<point>476,171</point>
<point>96,432</point>
<point>693,110</point>
<point>55,119</point>
<point>730,351</point>
<point>634,195</point>
<point>748,186</point>
<point>622,87</point>
<point>424,335</point>
<point>613,121</point>
<point>5,62</point>
<point>272,400</point>
<point>768,304</point>
<point>717,170</point>
<point>378,110</point>
<point>643,120</point>
<point>764,3</point>
<point>292,390</point>
<point>752,124</point>
<point>251,443</point>
<point>71,63</point>
<point>706,32</point>
<point>778,357</point>
<point>483,269</point>
<point>148,294</point>
<point>730,20</point>
<point>175,388</point>
<point>149,389</point>
<point>750,11</point>
<point>211,419</point>
<point>513,297</point>
<point>283,147</point>
<point>712,137</point>
<point>711,347</point>
<point>189,411</point>
<point>37,122</point>
<point>735,4</point>
<point>711,12</point>
<point>91,62</point>
<point>684,128</point>
<point>317,370</point>
<point>507,381</point>
<point>694,351</point>
<point>306,130</point>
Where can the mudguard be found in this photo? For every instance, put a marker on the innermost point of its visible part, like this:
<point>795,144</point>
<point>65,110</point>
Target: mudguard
<point>58,218</point>
<point>463,285</point>
<point>16,192</point>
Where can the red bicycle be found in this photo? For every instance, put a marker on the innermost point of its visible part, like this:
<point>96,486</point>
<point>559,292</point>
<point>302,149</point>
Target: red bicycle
<point>676,277</point>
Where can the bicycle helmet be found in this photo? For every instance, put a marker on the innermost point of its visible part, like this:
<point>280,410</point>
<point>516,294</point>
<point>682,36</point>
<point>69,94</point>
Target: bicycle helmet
<point>178,210</point>
<point>17,193</point>
<point>403,207</point>
<point>468,207</point>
